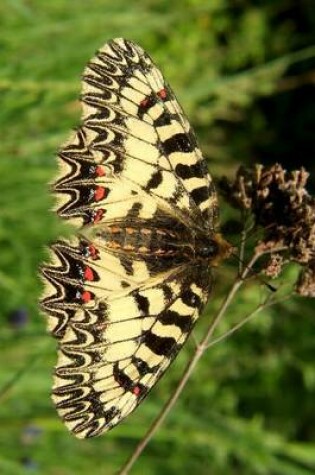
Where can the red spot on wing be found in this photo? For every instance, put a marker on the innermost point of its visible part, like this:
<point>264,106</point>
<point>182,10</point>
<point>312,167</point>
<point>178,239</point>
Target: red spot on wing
<point>144,103</point>
<point>94,253</point>
<point>99,193</point>
<point>88,274</point>
<point>86,296</point>
<point>136,390</point>
<point>98,215</point>
<point>162,94</point>
<point>100,171</point>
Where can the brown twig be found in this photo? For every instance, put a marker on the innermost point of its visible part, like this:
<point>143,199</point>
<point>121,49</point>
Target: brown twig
<point>250,316</point>
<point>244,232</point>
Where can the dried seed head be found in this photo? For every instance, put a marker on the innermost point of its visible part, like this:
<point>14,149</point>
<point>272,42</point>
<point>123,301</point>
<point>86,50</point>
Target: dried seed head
<point>305,285</point>
<point>281,207</point>
<point>274,265</point>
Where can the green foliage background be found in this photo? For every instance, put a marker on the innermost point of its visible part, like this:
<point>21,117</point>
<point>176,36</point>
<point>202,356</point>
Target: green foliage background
<point>244,72</point>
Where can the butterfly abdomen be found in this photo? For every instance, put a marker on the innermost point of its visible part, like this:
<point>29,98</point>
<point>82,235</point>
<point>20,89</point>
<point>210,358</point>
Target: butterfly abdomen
<point>145,242</point>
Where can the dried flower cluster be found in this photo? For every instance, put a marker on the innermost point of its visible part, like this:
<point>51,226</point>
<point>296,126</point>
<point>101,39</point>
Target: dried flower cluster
<point>284,210</point>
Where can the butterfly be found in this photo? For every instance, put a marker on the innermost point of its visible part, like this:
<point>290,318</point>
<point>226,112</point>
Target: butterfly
<point>123,295</point>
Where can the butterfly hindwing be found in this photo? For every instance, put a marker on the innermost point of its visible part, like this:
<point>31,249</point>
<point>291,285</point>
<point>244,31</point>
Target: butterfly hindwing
<point>115,341</point>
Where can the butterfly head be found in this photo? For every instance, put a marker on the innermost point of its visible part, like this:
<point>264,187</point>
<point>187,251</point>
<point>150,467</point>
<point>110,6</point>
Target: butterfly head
<point>215,249</point>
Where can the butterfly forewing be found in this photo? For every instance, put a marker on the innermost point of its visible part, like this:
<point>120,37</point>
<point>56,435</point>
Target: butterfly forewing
<point>134,127</point>
<point>123,296</point>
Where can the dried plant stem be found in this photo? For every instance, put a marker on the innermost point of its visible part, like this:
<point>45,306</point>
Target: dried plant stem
<point>244,233</point>
<point>236,327</point>
<point>199,351</point>
<point>242,251</point>
<point>246,319</point>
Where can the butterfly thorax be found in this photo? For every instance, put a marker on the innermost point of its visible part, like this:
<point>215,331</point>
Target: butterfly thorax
<point>213,247</point>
